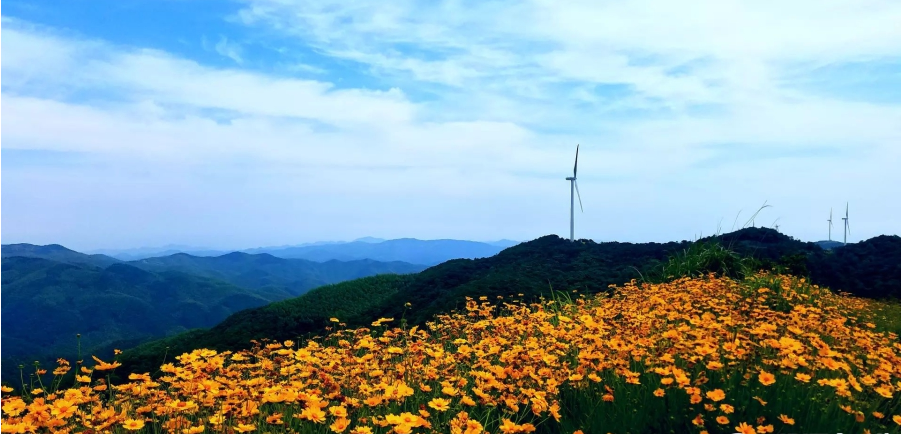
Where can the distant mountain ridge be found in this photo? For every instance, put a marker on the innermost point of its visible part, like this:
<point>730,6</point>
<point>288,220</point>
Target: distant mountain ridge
<point>411,250</point>
<point>414,251</point>
<point>57,253</point>
<point>263,270</point>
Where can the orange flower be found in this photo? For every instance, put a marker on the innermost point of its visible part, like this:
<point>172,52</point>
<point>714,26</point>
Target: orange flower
<point>743,428</point>
<point>715,395</point>
<point>767,379</point>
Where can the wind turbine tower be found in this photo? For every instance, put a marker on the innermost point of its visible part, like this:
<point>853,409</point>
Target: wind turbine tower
<point>573,180</point>
<point>846,224</point>
<point>830,223</point>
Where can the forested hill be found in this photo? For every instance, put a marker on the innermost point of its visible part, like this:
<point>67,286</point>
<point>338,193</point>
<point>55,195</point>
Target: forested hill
<point>47,303</point>
<point>257,271</point>
<point>869,268</point>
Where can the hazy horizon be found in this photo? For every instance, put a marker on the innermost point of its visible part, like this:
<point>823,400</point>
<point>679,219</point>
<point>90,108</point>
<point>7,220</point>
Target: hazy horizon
<point>185,247</point>
<point>233,125</point>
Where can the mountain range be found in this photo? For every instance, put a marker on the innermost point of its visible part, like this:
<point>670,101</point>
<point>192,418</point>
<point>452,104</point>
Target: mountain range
<point>425,252</point>
<point>51,294</point>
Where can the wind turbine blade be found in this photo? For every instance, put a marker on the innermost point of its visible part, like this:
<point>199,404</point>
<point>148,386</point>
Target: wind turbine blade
<point>578,195</point>
<point>575,160</point>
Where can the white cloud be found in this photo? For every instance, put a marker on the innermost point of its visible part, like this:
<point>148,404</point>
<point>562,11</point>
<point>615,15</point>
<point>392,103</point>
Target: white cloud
<point>485,156</point>
<point>232,50</point>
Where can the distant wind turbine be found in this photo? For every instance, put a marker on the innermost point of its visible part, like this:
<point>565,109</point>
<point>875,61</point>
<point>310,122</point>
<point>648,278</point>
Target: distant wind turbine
<point>846,223</point>
<point>830,223</point>
<point>573,180</point>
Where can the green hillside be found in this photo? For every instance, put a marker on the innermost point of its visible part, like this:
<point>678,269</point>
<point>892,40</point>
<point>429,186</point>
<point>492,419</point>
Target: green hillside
<point>289,319</point>
<point>46,303</point>
<point>260,271</point>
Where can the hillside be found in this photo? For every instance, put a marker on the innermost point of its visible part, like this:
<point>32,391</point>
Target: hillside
<point>425,252</point>
<point>56,252</point>
<point>869,268</point>
<point>768,353</point>
<point>259,271</point>
<point>529,267</point>
<point>46,303</point>
<point>533,269</point>
<point>289,319</point>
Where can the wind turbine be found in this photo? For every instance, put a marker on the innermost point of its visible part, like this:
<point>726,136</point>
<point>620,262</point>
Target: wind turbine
<point>573,180</point>
<point>846,224</point>
<point>830,223</point>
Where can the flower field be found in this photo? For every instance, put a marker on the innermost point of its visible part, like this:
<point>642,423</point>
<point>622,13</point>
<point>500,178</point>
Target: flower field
<point>768,354</point>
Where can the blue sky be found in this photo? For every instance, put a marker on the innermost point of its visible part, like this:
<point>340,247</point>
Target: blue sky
<point>233,124</point>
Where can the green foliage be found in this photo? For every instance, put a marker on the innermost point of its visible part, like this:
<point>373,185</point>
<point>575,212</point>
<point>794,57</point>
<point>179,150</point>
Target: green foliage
<point>706,257</point>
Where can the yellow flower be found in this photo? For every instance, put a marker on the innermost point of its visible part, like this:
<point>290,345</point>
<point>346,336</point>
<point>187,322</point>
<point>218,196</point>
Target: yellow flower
<point>508,427</point>
<point>767,379</point>
<point>439,404</point>
<point>244,428</point>
<point>104,366</point>
<point>133,424</point>
<point>722,420</point>
<point>14,407</point>
<point>473,427</point>
<point>659,392</point>
<point>338,411</point>
<point>340,425</point>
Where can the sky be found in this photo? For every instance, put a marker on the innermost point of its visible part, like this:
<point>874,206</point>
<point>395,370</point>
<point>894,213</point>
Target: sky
<point>235,124</point>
